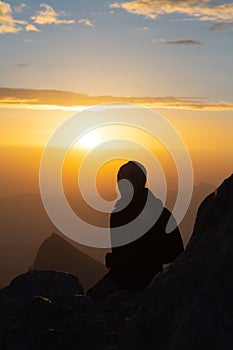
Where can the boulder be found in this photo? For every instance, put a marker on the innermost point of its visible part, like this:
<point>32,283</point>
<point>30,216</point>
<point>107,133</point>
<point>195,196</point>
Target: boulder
<point>47,310</point>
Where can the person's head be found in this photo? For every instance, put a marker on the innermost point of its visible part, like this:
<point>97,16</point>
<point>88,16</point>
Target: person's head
<point>133,172</point>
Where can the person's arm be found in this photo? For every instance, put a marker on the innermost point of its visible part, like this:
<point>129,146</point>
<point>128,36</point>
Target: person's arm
<point>167,246</point>
<point>117,256</point>
<point>171,247</point>
<point>108,260</point>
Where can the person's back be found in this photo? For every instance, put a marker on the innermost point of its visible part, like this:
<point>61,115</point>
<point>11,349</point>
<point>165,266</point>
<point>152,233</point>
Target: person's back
<point>133,266</point>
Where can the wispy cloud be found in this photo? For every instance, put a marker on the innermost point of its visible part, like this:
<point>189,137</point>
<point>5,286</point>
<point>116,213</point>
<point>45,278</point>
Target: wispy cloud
<point>7,23</point>
<point>22,65</point>
<point>204,10</point>
<point>222,25</point>
<point>53,99</point>
<point>144,29</point>
<point>86,22</point>
<point>184,42</point>
<point>31,28</point>
<point>50,16</point>
<point>20,7</point>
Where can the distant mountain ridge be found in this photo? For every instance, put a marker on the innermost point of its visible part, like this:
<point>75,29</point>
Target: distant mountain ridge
<point>55,253</point>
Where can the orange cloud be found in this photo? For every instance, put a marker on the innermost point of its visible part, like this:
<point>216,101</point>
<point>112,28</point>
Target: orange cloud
<point>53,99</point>
<point>7,23</point>
<point>50,16</point>
<point>86,22</point>
<point>203,10</point>
<point>31,28</point>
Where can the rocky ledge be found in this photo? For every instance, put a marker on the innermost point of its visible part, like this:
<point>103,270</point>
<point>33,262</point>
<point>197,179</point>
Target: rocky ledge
<point>188,306</point>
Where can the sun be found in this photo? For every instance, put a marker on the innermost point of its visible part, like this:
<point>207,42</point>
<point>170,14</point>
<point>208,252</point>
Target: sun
<point>89,140</point>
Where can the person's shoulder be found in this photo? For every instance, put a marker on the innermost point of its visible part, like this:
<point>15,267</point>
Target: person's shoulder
<point>165,213</point>
<point>154,200</point>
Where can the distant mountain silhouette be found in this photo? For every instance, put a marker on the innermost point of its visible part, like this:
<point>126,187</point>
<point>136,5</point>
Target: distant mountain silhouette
<point>24,226</point>
<point>55,253</point>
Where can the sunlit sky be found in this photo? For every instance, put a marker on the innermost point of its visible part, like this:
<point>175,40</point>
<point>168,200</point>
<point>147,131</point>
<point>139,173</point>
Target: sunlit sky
<point>174,56</point>
<point>125,48</point>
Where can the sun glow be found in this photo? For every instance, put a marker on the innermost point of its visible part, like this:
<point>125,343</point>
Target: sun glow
<point>89,140</point>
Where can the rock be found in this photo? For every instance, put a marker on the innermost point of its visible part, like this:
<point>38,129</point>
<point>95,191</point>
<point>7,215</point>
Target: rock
<point>88,337</point>
<point>50,284</point>
<point>41,306</point>
<point>59,288</point>
<point>119,307</point>
<point>41,309</point>
<point>190,305</point>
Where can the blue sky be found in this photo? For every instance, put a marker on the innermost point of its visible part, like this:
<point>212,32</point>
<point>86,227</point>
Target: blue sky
<point>166,48</point>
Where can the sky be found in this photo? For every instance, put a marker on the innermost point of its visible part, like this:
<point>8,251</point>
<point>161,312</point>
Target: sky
<point>58,57</point>
<point>126,48</point>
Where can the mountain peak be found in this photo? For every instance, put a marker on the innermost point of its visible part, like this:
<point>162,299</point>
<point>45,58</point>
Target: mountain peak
<point>56,253</point>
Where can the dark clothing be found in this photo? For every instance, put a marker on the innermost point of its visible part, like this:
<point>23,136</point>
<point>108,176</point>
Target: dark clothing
<point>135,264</point>
<point>103,288</point>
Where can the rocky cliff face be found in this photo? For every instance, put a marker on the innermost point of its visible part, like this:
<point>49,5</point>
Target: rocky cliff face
<point>188,306</point>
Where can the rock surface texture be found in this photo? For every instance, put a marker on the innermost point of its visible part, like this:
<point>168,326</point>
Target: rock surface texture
<point>188,306</point>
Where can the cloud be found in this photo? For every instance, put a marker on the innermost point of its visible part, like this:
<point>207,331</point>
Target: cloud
<point>184,42</point>
<point>20,8</point>
<point>86,22</point>
<point>204,10</point>
<point>7,23</point>
<point>22,65</point>
<point>221,25</point>
<point>50,16</point>
<point>54,99</point>
<point>144,29</point>
<point>31,28</point>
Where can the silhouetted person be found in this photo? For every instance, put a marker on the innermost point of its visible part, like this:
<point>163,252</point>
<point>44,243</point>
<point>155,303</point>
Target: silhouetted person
<point>133,266</point>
